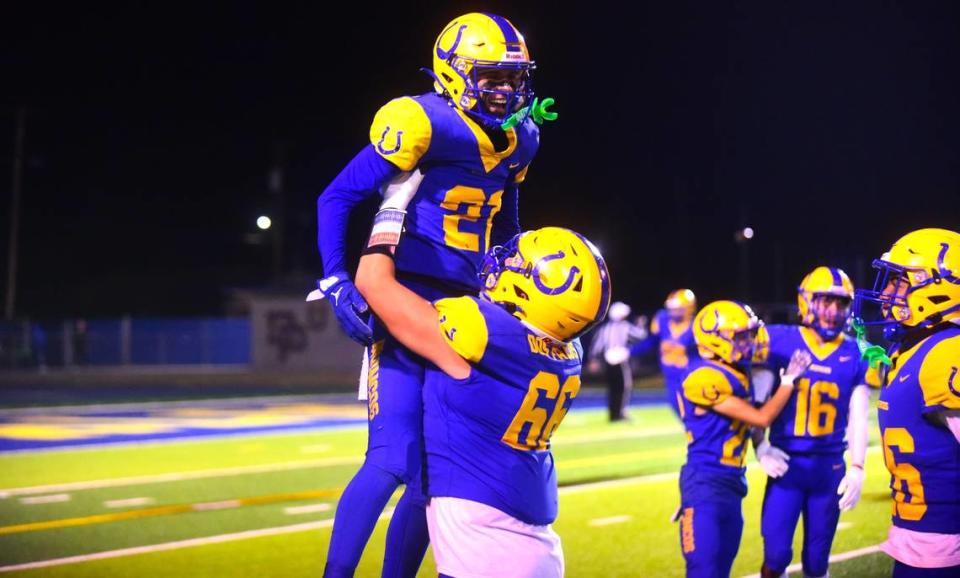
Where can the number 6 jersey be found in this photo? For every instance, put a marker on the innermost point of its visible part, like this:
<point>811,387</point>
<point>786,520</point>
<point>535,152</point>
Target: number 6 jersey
<point>923,456</point>
<point>488,436</point>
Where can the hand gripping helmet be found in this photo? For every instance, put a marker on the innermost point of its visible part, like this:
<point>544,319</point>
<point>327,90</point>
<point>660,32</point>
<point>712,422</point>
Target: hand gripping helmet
<point>815,311</point>
<point>553,279</point>
<point>917,284</point>
<point>726,330</point>
<point>471,45</point>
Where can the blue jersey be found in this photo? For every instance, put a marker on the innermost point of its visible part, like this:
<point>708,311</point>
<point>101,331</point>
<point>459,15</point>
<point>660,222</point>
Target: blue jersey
<point>815,418</point>
<point>714,440</point>
<point>488,436</point>
<point>923,456</point>
<point>450,220</point>
<point>466,202</point>
<point>677,346</point>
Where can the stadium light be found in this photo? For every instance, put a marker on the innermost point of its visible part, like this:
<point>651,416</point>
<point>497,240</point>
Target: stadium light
<point>743,235</point>
<point>747,233</point>
<point>264,222</point>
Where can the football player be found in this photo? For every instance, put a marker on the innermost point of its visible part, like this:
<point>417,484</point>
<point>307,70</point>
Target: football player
<point>917,290</point>
<point>717,413</point>
<point>830,401</point>
<point>672,329</point>
<point>507,371</point>
<point>451,144</point>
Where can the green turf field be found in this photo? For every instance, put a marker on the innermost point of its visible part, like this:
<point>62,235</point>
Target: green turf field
<point>263,505</point>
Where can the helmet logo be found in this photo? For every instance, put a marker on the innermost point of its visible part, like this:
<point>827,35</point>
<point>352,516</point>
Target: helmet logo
<point>383,137</point>
<point>445,54</point>
<point>716,322</point>
<point>543,287</point>
<point>950,384</point>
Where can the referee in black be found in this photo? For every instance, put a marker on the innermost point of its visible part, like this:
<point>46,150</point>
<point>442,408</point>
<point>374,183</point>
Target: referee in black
<point>610,349</point>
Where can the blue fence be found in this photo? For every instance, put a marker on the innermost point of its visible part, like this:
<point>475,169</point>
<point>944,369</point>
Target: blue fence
<point>127,341</point>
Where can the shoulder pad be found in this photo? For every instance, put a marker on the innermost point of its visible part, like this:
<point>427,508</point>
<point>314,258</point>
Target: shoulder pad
<point>939,379</point>
<point>463,327</point>
<point>707,386</point>
<point>401,132</point>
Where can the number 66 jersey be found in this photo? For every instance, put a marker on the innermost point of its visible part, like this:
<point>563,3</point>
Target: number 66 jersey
<point>467,182</point>
<point>923,456</point>
<point>488,436</point>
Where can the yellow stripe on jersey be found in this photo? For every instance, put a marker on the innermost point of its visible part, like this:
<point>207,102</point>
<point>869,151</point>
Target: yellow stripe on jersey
<point>821,350</point>
<point>707,386</point>
<point>401,132</point>
<point>488,154</point>
<point>939,379</point>
<point>463,326</point>
<point>522,175</point>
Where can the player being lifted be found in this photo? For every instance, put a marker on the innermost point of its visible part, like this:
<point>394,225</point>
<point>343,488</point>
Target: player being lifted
<point>918,293</point>
<point>811,429</point>
<point>672,329</point>
<point>467,145</point>
<point>717,414</point>
<point>507,371</point>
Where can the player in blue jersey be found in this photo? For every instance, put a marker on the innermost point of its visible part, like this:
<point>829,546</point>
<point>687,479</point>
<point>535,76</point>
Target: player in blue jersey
<point>717,414</point>
<point>918,293</point>
<point>829,404</point>
<point>672,330</point>
<point>507,369</point>
<point>451,146</point>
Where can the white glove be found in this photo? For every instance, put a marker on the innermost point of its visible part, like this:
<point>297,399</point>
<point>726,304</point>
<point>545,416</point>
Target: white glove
<point>799,362</point>
<point>849,489</point>
<point>772,459</point>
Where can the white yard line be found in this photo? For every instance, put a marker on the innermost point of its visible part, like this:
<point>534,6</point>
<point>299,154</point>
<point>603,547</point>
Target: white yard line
<point>52,499</point>
<point>179,476</point>
<point>179,544</point>
<point>833,559</point>
<point>311,509</point>
<point>129,503</point>
<point>597,522</point>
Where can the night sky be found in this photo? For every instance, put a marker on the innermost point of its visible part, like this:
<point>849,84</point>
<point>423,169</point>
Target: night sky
<point>831,128</point>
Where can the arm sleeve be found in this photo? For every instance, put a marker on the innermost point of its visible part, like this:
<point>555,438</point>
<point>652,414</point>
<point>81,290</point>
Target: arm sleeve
<point>361,179</point>
<point>506,223</point>
<point>857,433</point>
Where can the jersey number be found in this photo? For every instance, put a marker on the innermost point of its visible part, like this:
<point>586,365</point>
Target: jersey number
<point>815,415</point>
<point>532,426</point>
<point>906,478</point>
<point>733,454</point>
<point>469,204</point>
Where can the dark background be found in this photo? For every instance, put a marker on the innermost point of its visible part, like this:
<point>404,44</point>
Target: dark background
<point>831,128</point>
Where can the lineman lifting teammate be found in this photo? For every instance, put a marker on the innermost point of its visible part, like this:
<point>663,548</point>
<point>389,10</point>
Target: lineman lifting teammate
<point>507,368</point>
<point>717,414</point>
<point>467,146</point>
<point>810,431</point>
<point>917,290</point>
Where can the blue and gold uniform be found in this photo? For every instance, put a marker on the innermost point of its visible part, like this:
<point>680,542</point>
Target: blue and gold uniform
<point>488,436</point>
<point>677,349</point>
<point>922,456</point>
<point>712,482</point>
<point>467,182</point>
<point>811,429</point>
